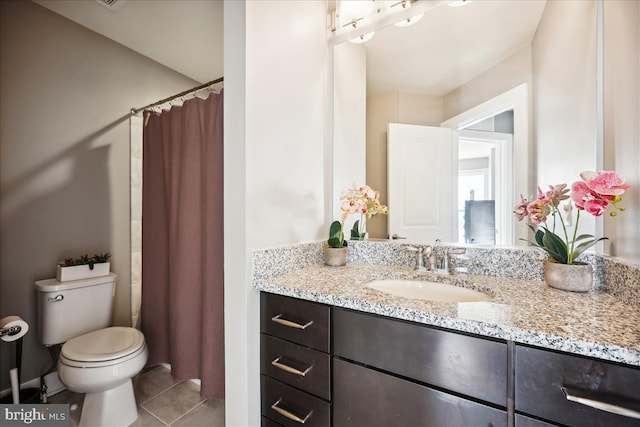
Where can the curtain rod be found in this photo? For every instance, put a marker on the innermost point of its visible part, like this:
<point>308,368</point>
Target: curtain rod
<point>135,111</point>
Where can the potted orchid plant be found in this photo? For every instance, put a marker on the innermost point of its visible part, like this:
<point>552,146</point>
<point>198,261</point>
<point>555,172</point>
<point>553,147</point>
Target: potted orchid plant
<point>363,201</point>
<point>594,194</point>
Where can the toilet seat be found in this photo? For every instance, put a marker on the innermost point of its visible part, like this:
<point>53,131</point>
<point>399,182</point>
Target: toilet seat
<point>103,347</point>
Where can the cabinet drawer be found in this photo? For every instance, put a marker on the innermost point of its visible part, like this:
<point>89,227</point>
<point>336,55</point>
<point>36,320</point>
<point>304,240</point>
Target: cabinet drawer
<point>291,407</point>
<point>302,322</point>
<point>522,421</point>
<point>364,397</point>
<point>541,375</point>
<point>266,422</point>
<point>471,366</point>
<point>296,365</point>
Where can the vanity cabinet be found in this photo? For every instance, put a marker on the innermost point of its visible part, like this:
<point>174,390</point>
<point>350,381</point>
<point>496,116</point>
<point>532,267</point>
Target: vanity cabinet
<point>295,364</point>
<point>546,380</point>
<point>323,366</point>
<point>390,372</point>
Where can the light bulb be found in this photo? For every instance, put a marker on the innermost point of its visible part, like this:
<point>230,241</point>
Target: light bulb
<point>363,38</point>
<point>409,21</point>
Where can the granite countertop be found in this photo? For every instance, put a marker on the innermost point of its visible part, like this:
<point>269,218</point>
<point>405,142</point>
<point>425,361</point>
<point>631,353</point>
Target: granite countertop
<point>596,324</point>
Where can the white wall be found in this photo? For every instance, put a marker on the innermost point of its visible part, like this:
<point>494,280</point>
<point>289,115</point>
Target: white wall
<point>276,109</point>
<point>622,121</point>
<point>564,97</point>
<point>349,123</point>
<point>64,139</point>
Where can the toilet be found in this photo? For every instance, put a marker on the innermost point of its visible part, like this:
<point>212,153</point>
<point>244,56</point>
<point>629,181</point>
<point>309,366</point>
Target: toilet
<point>96,358</point>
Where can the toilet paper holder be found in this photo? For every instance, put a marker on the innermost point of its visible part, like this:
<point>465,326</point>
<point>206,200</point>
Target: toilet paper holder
<point>11,330</point>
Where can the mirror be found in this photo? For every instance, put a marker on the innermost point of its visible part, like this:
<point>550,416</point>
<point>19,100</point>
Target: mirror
<point>451,68</point>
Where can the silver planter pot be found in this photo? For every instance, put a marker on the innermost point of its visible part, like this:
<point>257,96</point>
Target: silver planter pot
<point>576,277</point>
<point>335,257</point>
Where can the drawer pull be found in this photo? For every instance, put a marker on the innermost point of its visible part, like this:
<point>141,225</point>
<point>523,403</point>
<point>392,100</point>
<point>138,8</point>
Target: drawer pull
<point>589,399</point>
<point>288,414</point>
<point>278,364</point>
<point>289,323</point>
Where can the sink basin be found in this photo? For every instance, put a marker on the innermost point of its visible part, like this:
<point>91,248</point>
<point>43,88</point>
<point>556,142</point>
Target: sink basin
<point>432,291</point>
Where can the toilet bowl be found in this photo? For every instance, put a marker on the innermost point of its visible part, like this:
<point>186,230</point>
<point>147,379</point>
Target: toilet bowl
<point>95,358</point>
<point>101,364</point>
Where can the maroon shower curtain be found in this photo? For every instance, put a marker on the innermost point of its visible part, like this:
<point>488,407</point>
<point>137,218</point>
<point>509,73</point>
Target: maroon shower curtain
<point>182,241</point>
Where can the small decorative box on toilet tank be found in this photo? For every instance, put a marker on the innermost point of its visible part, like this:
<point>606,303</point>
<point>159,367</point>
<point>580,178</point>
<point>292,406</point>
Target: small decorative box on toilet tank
<point>78,272</point>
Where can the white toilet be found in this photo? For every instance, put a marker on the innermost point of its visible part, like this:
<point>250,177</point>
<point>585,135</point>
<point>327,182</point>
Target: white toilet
<point>95,359</point>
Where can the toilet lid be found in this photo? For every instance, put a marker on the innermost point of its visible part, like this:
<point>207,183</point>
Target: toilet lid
<point>104,344</point>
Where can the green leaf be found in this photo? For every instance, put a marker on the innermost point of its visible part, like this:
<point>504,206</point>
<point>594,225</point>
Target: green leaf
<point>555,246</point>
<point>583,236</point>
<point>537,235</point>
<point>584,246</point>
<point>355,231</point>
<point>334,242</point>
<point>532,243</point>
<point>336,236</point>
<point>335,229</point>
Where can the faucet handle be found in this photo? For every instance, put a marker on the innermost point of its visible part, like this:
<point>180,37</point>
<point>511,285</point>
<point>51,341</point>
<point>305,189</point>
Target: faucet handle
<point>419,259</point>
<point>453,251</point>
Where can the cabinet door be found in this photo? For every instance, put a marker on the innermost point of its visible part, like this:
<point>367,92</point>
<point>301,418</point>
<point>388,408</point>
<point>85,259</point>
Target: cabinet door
<point>541,376</point>
<point>522,421</point>
<point>367,398</point>
<point>302,322</point>
<point>472,366</point>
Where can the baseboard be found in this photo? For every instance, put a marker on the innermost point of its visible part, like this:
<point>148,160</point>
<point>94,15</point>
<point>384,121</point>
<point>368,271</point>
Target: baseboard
<point>54,386</point>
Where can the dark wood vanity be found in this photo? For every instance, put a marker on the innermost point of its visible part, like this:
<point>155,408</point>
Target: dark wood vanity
<point>324,365</point>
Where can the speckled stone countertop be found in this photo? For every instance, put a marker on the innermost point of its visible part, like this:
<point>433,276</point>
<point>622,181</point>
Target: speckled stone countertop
<point>599,324</point>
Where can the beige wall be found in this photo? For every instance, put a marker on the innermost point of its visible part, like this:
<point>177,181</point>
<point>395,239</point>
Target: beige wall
<point>64,138</point>
<point>622,121</point>
<point>508,74</point>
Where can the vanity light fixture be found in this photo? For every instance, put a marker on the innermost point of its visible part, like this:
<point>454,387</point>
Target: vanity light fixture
<point>459,3</point>
<point>409,21</point>
<point>362,38</point>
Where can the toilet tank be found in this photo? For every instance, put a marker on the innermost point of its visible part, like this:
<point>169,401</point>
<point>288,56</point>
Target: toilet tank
<point>70,309</point>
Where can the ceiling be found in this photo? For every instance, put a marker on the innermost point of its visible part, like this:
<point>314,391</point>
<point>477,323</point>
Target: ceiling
<point>184,35</point>
<point>447,48</point>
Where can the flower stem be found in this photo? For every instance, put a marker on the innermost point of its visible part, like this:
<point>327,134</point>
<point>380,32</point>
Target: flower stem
<point>573,241</point>
<point>566,236</point>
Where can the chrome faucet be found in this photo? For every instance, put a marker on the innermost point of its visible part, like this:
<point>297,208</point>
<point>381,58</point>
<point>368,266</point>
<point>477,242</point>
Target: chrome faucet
<point>442,258</point>
<point>421,253</point>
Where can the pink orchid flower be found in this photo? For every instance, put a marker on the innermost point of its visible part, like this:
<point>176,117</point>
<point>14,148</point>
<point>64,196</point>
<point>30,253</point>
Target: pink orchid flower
<point>597,190</point>
<point>520,210</point>
<point>605,183</point>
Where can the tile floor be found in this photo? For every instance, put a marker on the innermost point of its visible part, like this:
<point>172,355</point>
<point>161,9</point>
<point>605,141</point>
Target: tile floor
<point>162,401</point>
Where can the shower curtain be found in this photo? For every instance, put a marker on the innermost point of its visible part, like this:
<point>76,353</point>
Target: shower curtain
<point>182,241</point>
